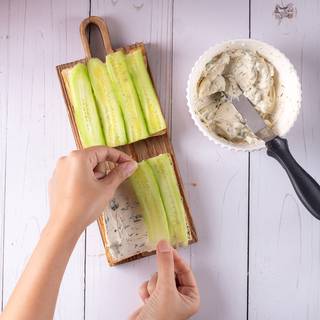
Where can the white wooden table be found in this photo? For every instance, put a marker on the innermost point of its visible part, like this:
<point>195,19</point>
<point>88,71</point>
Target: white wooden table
<point>258,255</point>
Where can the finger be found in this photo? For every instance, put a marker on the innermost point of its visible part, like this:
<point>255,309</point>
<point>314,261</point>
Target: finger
<point>152,283</point>
<point>99,154</point>
<point>101,170</point>
<point>143,291</point>
<point>118,174</point>
<point>191,292</point>
<point>99,175</point>
<point>183,271</point>
<point>166,275</point>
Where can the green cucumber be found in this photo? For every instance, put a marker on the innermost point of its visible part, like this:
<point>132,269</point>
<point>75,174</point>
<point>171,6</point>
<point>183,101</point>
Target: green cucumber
<point>85,110</point>
<point>162,167</point>
<point>148,195</point>
<point>108,106</point>
<point>146,92</point>
<point>126,94</point>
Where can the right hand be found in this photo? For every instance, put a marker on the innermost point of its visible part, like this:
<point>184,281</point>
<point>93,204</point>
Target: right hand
<point>170,294</point>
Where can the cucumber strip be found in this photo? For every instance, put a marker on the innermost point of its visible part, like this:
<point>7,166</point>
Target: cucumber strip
<point>146,92</point>
<point>108,106</point>
<point>147,191</point>
<point>85,111</point>
<point>163,170</point>
<point>129,102</point>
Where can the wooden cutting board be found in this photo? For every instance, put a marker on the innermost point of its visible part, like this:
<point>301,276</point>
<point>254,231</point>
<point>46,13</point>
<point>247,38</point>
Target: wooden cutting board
<point>140,150</point>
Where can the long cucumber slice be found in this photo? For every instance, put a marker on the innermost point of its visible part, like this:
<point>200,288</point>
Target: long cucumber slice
<point>124,89</point>
<point>147,191</point>
<point>162,167</point>
<point>108,106</point>
<point>146,92</point>
<point>85,111</point>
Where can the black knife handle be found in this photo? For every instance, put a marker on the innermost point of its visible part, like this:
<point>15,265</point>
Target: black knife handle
<point>307,189</point>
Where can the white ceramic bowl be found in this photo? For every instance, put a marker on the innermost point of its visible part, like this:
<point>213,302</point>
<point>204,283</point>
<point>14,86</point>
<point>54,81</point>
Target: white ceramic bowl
<point>288,89</point>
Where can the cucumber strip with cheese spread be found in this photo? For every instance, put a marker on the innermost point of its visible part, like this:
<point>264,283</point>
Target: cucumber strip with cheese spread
<point>108,106</point>
<point>85,110</point>
<point>162,167</point>
<point>148,195</point>
<point>146,92</point>
<point>129,102</point>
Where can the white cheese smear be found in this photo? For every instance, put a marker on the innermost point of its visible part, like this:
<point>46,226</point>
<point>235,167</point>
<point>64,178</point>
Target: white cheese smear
<point>125,229</point>
<point>226,77</point>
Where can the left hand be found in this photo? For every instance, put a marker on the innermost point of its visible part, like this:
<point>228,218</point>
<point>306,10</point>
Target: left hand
<point>79,190</point>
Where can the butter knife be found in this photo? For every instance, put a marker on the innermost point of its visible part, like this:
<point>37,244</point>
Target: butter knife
<point>306,188</point>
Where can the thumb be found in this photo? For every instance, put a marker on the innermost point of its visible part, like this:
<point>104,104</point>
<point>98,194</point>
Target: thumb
<point>166,275</point>
<point>120,173</point>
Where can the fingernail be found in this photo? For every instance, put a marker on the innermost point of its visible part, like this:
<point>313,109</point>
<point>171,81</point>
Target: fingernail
<point>164,246</point>
<point>129,167</point>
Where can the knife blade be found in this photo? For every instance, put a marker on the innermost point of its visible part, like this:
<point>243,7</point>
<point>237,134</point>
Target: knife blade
<point>253,118</point>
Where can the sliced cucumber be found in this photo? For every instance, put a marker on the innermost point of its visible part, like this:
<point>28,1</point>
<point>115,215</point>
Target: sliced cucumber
<point>124,89</point>
<point>108,106</point>
<point>162,167</point>
<point>147,191</point>
<point>146,92</point>
<point>85,110</point>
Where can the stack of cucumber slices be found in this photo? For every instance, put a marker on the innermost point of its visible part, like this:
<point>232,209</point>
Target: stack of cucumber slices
<point>115,102</point>
<point>157,191</point>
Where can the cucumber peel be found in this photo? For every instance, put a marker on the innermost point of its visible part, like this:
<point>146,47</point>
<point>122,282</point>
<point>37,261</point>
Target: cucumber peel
<point>126,94</point>
<point>163,170</point>
<point>148,195</point>
<point>85,110</point>
<point>146,92</point>
<point>108,106</point>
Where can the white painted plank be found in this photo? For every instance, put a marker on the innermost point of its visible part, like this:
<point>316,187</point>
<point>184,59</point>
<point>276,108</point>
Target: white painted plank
<point>113,292</point>
<point>4,5</point>
<point>285,238</point>
<point>215,179</point>
<point>42,34</point>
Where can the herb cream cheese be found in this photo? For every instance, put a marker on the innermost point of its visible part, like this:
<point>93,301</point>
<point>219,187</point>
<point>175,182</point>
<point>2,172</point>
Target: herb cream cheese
<point>226,77</point>
<point>125,229</point>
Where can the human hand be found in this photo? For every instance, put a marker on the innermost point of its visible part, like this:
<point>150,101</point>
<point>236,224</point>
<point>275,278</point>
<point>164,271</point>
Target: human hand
<point>170,294</point>
<point>80,189</point>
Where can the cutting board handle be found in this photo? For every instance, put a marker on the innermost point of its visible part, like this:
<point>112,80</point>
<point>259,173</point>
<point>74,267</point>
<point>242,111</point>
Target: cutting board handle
<point>102,26</point>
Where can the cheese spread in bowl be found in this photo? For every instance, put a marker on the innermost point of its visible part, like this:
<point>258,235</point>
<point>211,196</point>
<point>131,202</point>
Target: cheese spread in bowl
<point>249,67</point>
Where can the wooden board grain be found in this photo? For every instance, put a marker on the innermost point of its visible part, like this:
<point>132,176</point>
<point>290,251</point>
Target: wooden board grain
<point>139,151</point>
<point>284,237</point>
<point>40,36</point>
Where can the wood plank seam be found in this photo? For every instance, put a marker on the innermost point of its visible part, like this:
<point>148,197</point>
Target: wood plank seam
<point>248,204</point>
<point>85,273</point>
<point>171,75</point>
<point>4,142</point>
<point>85,232</point>
<point>3,219</point>
<point>248,237</point>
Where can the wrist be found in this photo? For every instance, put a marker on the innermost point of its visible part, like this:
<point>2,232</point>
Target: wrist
<point>63,228</point>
